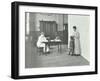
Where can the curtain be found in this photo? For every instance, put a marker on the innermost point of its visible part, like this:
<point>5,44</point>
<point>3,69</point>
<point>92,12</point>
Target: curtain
<point>49,28</point>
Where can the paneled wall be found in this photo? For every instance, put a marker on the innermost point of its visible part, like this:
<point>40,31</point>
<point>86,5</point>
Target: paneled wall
<point>34,23</point>
<point>49,17</point>
<point>35,18</point>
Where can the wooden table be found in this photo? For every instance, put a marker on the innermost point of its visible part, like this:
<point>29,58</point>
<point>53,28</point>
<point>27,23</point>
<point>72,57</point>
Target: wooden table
<point>49,43</point>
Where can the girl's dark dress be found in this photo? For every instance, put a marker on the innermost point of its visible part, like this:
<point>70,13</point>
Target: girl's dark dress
<point>71,46</point>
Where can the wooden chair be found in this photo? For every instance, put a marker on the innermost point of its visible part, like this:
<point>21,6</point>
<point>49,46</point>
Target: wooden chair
<point>40,50</point>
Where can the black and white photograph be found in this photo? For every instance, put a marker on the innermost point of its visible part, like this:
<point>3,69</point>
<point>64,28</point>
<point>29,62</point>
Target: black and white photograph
<point>51,40</point>
<point>55,40</point>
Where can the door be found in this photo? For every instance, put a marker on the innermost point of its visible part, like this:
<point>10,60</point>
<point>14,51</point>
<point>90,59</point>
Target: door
<point>65,34</point>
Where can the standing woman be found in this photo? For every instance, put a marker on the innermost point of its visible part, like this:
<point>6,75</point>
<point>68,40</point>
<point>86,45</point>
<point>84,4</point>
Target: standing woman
<point>76,34</point>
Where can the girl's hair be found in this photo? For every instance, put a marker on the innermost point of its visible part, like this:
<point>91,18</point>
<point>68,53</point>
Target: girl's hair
<point>74,27</point>
<point>42,33</point>
<point>71,37</point>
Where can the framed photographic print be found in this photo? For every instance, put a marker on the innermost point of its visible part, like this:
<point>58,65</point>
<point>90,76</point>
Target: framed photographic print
<point>50,40</point>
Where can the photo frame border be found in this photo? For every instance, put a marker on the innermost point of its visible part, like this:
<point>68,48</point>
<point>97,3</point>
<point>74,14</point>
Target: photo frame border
<point>15,39</point>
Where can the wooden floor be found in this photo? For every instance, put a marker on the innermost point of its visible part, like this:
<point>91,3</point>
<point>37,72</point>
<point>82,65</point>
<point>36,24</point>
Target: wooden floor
<point>53,59</point>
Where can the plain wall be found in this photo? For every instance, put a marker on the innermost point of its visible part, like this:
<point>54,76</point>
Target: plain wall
<point>82,24</point>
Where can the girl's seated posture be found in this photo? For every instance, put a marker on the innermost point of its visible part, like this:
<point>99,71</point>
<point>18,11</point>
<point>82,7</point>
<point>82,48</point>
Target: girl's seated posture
<point>40,43</point>
<point>71,46</point>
